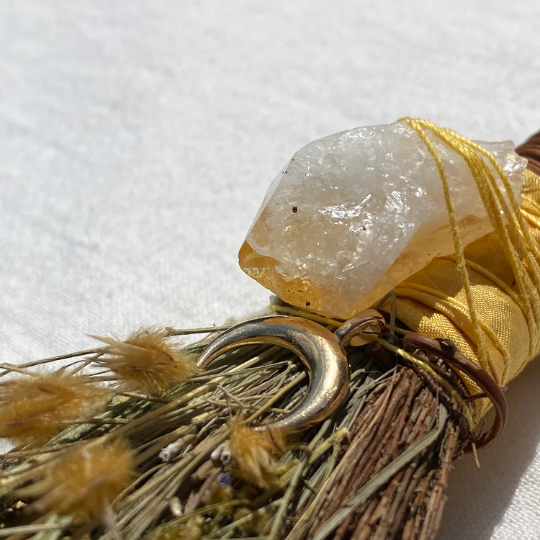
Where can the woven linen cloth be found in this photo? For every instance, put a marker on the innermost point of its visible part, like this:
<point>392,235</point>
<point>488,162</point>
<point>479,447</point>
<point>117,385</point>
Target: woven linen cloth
<point>137,140</point>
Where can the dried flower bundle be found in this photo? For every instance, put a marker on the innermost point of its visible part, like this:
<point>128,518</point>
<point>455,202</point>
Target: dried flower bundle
<point>266,488</point>
<point>33,409</point>
<point>146,361</point>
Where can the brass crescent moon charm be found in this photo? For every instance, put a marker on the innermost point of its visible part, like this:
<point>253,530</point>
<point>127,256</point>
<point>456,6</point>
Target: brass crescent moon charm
<point>317,347</point>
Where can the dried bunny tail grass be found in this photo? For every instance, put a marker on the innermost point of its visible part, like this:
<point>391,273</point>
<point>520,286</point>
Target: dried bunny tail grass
<point>35,408</point>
<point>254,454</point>
<point>146,361</point>
<point>83,482</point>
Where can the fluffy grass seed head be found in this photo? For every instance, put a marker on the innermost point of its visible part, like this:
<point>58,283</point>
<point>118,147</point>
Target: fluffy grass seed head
<point>147,362</point>
<point>34,409</point>
<point>254,454</point>
<point>83,482</point>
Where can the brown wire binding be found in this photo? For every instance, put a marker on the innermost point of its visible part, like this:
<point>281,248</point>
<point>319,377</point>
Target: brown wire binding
<point>417,342</point>
<point>530,149</point>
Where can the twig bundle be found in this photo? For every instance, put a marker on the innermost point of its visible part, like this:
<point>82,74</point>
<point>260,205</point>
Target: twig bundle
<point>376,469</point>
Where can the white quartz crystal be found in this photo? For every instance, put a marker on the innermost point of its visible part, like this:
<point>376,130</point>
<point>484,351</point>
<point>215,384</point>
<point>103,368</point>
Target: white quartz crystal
<point>353,214</point>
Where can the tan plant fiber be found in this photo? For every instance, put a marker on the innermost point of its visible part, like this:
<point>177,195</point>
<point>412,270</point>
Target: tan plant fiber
<point>146,361</point>
<point>255,454</point>
<point>83,482</point>
<point>33,409</point>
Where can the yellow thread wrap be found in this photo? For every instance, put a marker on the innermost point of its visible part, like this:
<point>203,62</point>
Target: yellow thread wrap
<point>486,297</point>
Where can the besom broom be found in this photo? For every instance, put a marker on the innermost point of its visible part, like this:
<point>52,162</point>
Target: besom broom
<point>334,414</point>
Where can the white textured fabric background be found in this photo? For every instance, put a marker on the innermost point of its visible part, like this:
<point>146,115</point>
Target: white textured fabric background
<point>137,139</point>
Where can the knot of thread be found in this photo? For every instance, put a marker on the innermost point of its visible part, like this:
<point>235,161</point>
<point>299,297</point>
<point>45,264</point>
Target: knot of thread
<point>485,297</point>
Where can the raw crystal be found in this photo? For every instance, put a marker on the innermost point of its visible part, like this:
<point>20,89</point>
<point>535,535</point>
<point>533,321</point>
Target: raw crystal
<point>353,214</point>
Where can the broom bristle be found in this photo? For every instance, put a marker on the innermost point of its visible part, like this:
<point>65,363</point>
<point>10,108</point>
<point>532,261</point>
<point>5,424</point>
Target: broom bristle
<point>408,505</point>
<point>265,488</point>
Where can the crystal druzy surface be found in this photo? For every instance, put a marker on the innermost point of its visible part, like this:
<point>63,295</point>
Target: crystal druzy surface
<point>353,214</point>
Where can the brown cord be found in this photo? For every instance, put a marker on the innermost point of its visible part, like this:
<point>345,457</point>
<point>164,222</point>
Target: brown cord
<point>530,149</point>
<point>417,342</point>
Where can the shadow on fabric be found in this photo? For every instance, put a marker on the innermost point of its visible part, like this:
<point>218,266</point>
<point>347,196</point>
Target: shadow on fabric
<point>478,498</point>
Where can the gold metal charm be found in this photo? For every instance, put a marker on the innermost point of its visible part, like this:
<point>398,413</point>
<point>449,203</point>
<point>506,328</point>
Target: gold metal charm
<point>317,347</point>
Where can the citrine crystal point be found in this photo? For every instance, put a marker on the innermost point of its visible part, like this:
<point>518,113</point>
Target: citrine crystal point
<point>352,215</point>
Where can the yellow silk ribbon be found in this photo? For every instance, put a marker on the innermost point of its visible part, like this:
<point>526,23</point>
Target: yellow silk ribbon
<point>486,297</point>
